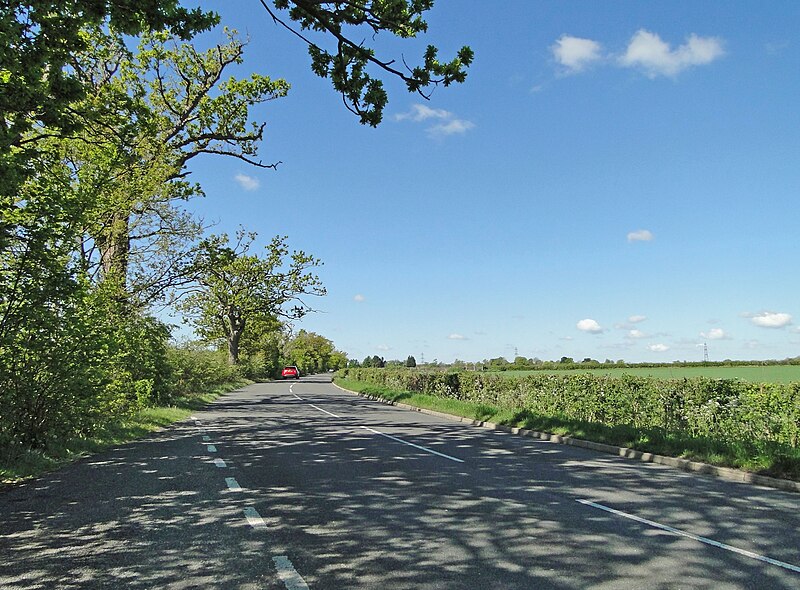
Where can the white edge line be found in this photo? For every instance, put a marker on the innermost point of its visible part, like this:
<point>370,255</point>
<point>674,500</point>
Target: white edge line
<point>405,442</point>
<point>232,484</point>
<point>219,463</point>
<point>694,537</point>
<point>286,572</point>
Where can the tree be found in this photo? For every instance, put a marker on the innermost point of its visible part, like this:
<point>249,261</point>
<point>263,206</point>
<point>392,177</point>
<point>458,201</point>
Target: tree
<point>411,361</point>
<point>314,353</point>
<point>236,288</point>
<point>163,106</point>
<point>37,90</point>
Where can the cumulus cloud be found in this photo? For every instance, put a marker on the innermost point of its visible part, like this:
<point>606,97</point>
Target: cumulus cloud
<point>636,334</point>
<point>658,348</point>
<point>770,319</point>
<point>421,112</point>
<point>248,183</point>
<point>359,298</point>
<point>648,52</point>
<point>640,235</point>
<point>636,319</point>
<point>715,334</point>
<point>589,325</point>
<point>449,123</point>
<point>457,337</point>
<point>452,127</point>
<point>574,53</point>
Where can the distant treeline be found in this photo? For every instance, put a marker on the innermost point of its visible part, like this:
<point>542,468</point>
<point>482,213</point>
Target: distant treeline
<point>567,363</point>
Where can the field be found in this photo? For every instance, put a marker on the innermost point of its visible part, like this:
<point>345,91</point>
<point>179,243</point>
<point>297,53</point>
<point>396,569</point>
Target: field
<point>753,374</point>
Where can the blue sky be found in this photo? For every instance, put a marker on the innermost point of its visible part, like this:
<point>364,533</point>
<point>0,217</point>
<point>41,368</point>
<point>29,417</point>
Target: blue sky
<point>614,180</point>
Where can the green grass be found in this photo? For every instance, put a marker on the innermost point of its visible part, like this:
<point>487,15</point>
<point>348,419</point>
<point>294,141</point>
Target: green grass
<point>33,463</point>
<point>753,374</point>
<point>762,458</point>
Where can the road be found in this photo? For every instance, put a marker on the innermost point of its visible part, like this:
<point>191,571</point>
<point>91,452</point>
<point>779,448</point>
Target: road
<point>300,485</point>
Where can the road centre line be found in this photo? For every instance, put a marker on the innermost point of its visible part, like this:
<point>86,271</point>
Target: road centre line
<point>232,484</point>
<point>254,518</point>
<point>286,572</point>
<point>211,448</point>
<point>219,463</point>
<point>694,537</point>
<point>206,438</point>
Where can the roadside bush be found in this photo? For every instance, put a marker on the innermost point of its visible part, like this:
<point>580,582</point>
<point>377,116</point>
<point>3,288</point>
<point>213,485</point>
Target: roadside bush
<point>753,414</point>
<point>194,369</point>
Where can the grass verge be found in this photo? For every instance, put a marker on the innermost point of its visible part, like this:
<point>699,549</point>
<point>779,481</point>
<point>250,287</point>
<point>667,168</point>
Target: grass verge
<point>18,467</point>
<point>758,457</point>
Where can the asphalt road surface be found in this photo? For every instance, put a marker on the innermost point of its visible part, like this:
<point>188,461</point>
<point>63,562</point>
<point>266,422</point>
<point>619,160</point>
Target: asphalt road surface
<point>300,485</point>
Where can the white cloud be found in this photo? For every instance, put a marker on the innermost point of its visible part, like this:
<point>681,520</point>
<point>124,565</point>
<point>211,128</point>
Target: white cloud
<point>589,325</point>
<point>715,334</point>
<point>640,235</point>
<point>771,319</point>
<point>449,124</point>
<point>457,337</point>
<point>650,53</point>
<point>453,127</point>
<point>383,347</point>
<point>575,53</point>
<point>359,298</point>
<point>658,348</point>
<point>421,112</point>
<point>248,183</point>
<point>635,319</point>
<point>636,334</point>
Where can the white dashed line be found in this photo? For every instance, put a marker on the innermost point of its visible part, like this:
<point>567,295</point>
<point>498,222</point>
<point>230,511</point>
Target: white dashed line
<point>211,448</point>
<point>254,518</point>
<point>206,438</point>
<point>219,463</point>
<point>286,572</point>
<point>705,540</point>
<point>233,485</point>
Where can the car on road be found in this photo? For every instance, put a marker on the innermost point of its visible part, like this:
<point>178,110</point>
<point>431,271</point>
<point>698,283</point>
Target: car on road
<point>290,372</point>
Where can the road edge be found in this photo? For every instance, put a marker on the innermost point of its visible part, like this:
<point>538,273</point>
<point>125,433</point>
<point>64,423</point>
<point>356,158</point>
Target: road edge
<point>726,473</point>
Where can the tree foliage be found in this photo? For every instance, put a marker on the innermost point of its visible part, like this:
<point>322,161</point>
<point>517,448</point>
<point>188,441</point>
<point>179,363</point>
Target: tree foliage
<point>334,32</point>
<point>236,288</point>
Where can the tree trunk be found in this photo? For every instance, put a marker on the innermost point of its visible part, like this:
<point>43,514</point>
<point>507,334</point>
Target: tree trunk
<point>233,347</point>
<point>235,330</point>
<point>115,247</point>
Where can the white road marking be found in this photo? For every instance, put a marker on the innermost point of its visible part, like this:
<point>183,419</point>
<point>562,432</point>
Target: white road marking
<point>317,407</point>
<point>426,449</point>
<point>233,485</point>
<point>211,448</point>
<point>400,440</point>
<point>206,438</point>
<point>254,518</point>
<point>705,540</point>
<point>286,572</point>
<point>219,463</point>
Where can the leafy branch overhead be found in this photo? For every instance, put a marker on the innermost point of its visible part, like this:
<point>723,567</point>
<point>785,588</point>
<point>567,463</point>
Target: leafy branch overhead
<point>346,62</point>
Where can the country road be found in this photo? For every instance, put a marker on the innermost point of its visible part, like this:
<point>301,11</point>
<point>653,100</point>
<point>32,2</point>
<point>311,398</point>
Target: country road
<point>294,485</point>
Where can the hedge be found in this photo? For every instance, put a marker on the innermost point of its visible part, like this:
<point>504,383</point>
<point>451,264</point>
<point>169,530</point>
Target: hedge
<point>723,409</point>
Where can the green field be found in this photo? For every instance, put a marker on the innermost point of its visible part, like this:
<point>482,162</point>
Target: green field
<point>753,374</point>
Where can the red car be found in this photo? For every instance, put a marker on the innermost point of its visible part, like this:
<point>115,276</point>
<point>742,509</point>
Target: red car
<point>290,373</point>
